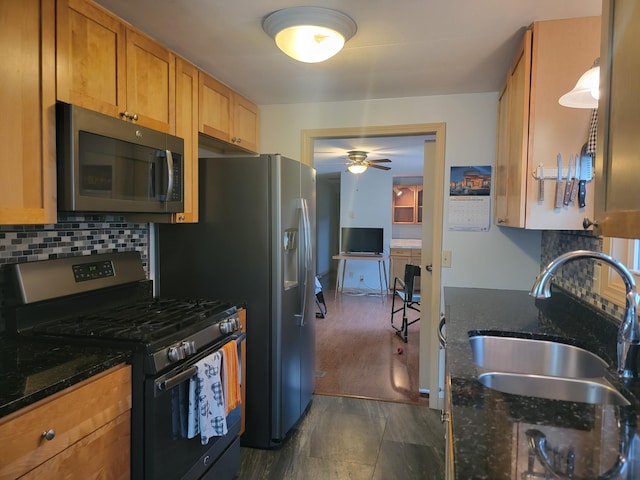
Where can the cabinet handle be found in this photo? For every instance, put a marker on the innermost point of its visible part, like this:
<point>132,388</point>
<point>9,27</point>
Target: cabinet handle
<point>49,434</point>
<point>429,268</point>
<point>134,116</point>
<point>130,116</point>
<point>181,218</point>
<point>586,223</point>
<point>502,220</point>
<point>124,114</point>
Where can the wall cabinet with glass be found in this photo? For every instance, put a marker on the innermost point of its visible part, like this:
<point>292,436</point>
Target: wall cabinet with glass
<point>617,211</point>
<point>533,127</point>
<point>407,204</point>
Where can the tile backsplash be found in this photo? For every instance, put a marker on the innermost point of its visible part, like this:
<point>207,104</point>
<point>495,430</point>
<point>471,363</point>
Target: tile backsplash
<point>576,276</point>
<point>71,236</point>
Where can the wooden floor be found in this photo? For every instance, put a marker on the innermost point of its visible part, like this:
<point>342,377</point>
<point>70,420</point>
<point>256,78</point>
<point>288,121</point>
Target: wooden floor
<point>359,355</point>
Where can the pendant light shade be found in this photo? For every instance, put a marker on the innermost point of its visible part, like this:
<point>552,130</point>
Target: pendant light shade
<point>357,168</point>
<point>309,34</point>
<point>586,92</point>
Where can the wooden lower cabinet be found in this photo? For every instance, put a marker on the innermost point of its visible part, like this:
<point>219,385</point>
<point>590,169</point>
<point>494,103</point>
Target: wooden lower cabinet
<point>400,257</point>
<point>89,428</point>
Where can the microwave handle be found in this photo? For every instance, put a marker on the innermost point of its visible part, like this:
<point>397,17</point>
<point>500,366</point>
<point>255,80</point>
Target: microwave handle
<point>169,175</point>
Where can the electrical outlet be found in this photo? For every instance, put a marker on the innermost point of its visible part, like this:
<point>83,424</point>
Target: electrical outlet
<point>446,258</point>
<point>362,278</point>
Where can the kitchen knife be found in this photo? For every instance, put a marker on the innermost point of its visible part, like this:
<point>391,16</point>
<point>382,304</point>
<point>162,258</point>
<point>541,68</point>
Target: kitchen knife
<point>574,181</point>
<point>567,185</point>
<point>586,174</point>
<point>559,196</point>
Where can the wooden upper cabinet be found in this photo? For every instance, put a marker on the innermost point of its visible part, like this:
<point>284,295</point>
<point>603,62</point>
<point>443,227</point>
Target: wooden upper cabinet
<point>27,125</point>
<point>105,66</point>
<point>533,127</point>
<point>187,128</point>
<point>150,82</point>
<point>617,211</point>
<point>226,116</point>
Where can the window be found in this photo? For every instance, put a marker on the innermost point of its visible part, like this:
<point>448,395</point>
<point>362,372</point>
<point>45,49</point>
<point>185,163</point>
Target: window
<point>626,251</point>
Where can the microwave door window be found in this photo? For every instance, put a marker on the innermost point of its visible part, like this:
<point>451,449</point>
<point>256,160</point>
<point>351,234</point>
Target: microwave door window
<point>120,170</point>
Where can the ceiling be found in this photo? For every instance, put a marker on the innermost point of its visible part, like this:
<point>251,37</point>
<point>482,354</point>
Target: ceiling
<point>401,49</point>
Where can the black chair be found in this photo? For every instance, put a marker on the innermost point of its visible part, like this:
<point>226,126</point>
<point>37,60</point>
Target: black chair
<point>404,289</point>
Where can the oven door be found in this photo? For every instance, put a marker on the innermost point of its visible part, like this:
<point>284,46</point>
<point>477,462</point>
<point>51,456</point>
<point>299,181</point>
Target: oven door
<point>167,453</point>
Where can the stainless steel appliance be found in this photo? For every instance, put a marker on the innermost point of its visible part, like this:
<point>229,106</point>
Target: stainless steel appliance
<point>111,165</point>
<point>106,300</point>
<point>255,242</point>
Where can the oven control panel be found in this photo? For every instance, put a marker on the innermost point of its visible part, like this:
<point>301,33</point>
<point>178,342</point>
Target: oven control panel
<point>91,271</point>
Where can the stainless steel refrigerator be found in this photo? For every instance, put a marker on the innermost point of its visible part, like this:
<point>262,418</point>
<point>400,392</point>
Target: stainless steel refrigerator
<point>254,245</point>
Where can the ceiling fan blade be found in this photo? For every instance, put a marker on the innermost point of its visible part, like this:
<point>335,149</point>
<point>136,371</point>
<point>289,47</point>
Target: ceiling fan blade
<point>379,160</point>
<point>379,167</point>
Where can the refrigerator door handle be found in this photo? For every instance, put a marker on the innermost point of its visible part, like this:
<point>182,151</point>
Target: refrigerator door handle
<point>306,232</point>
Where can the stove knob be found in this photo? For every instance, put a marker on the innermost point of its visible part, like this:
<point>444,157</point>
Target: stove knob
<point>188,348</point>
<point>226,326</point>
<point>175,354</point>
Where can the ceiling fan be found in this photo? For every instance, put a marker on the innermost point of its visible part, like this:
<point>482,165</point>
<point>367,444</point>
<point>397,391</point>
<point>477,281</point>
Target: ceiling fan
<point>358,162</point>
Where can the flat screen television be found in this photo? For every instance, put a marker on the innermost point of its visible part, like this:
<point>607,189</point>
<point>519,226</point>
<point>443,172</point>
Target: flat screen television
<point>365,240</point>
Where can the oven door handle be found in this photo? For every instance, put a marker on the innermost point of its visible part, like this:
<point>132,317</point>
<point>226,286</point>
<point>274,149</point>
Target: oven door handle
<point>191,371</point>
<point>179,378</point>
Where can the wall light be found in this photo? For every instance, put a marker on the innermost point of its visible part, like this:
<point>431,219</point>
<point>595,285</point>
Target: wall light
<point>586,92</point>
<point>397,191</point>
<point>309,34</point>
<point>357,167</point>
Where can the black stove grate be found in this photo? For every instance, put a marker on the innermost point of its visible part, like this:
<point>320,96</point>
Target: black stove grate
<point>144,321</point>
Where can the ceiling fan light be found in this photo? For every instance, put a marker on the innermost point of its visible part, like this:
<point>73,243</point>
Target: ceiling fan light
<point>309,34</point>
<point>586,92</point>
<point>357,168</point>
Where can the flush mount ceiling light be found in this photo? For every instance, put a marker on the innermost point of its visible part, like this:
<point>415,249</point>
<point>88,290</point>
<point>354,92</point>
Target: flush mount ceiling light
<point>309,34</point>
<point>586,92</point>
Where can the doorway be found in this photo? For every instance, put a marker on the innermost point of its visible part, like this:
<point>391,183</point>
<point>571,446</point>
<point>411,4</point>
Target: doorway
<point>431,234</point>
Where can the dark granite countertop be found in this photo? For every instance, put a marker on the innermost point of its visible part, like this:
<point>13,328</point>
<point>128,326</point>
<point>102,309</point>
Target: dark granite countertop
<point>31,370</point>
<point>489,426</point>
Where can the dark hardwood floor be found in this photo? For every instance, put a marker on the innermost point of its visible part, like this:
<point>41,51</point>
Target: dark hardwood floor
<point>367,420</point>
<point>359,355</point>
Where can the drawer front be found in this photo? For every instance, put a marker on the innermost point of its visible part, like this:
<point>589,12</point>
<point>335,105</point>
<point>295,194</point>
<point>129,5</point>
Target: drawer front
<point>73,414</point>
<point>400,252</point>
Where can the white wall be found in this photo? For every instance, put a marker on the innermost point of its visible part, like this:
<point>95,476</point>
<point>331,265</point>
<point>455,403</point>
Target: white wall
<point>365,202</point>
<point>499,258</point>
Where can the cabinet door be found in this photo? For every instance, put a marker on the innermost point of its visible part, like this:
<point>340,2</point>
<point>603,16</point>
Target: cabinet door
<point>617,158</point>
<point>150,82</point>
<point>187,128</point>
<point>215,108</point>
<point>245,124</point>
<point>91,50</point>
<point>513,182</point>
<point>104,453</point>
<point>27,125</point>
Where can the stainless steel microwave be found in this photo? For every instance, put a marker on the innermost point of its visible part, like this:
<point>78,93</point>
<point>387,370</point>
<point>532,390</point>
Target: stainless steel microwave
<point>114,166</point>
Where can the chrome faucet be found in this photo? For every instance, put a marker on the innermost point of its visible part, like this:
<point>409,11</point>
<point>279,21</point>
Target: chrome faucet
<point>629,330</point>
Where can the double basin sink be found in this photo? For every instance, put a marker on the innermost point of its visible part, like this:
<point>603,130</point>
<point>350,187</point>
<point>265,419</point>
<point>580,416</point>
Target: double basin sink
<point>540,367</point>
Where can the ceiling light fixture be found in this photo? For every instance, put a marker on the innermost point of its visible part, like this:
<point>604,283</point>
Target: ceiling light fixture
<point>357,168</point>
<point>586,92</point>
<point>309,34</point>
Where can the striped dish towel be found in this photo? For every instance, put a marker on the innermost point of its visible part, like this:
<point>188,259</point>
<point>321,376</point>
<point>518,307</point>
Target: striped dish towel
<point>230,376</point>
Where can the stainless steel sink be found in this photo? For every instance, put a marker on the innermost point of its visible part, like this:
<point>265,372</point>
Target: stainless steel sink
<point>542,368</point>
<point>536,357</point>
<point>595,391</point>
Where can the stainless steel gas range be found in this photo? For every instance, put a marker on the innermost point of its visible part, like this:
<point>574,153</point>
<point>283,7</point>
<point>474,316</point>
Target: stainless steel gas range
<point>106,300</point>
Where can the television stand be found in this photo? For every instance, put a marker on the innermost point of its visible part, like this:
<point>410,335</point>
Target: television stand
<point>342,267</point>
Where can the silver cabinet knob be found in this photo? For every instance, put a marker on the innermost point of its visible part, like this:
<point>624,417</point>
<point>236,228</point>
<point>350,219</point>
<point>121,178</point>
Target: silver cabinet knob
<point>49,434</point>
<point>586,223</point>
<point>502,220</point>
